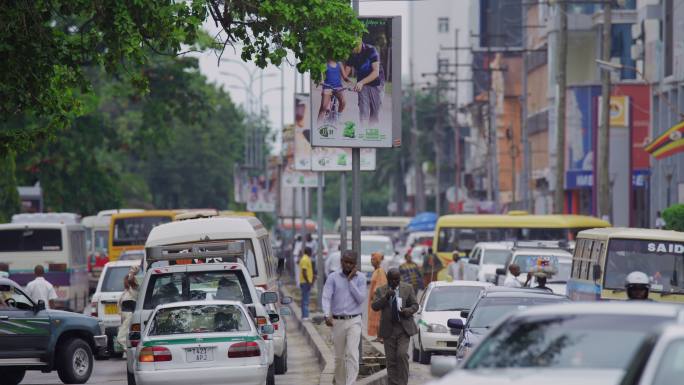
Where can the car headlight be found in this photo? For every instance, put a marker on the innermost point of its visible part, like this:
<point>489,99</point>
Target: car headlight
<point>437,328</point>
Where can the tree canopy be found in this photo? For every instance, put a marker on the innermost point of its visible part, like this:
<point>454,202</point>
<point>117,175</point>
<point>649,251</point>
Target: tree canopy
<point>47,45</point>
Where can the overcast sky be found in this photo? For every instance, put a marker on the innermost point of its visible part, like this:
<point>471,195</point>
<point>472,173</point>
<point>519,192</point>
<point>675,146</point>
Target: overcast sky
<point>211,68</point>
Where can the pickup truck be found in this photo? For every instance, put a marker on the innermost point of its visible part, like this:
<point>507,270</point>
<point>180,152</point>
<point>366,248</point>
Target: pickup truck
<point>33,338</point>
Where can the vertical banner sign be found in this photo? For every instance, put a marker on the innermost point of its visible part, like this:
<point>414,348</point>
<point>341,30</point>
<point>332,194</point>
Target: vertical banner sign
<point>302,139</point>
<point>358,102</point>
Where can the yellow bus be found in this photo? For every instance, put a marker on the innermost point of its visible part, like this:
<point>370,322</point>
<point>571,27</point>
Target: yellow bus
<point>604,257</point>
<point>129,231</point>
<point>462,231</point>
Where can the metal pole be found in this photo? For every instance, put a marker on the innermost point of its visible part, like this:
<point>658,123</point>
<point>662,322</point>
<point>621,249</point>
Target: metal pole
<point>604,128</point>
<point>457,127</point>
<point>437,143</point>
<point>356,199</point>
<point>527,150</point>
<point>303,213</point>
<point>343,212</point>
<point>561,59</point>
<point>320,269</point>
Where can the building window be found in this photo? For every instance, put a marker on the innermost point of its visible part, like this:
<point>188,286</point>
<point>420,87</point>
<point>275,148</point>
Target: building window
<point>443,25</point>
<point>669,42</point>
<point>442,65</point>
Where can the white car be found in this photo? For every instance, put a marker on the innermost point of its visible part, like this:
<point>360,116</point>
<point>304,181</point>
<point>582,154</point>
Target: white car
<point>201,342</point>
<point>202,282</point>
<point>105,302</point>
<point>573,343</point>
<point>371,244</point>
<point>440,302</point>
<point>485,258</point>
<point>279,334</point>
<point>661,363</point>
<point>527,258</point>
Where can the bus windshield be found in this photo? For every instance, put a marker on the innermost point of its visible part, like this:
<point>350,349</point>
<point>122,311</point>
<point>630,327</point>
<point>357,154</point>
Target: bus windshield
<point>662,261</point>
<point>133,231</point>
<point>464,239</point>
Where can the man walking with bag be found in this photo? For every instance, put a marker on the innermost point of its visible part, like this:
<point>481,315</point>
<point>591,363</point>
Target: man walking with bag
<point>397,303</point>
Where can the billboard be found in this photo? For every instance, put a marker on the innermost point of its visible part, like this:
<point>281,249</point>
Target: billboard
<point>340,159</point>
<point>358,102</point>
<point>302,138</point>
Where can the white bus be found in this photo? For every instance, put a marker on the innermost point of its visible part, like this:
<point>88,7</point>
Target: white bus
<point>59,247</point>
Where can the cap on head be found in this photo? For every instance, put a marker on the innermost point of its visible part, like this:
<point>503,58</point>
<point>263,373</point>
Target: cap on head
<point>637,278</point>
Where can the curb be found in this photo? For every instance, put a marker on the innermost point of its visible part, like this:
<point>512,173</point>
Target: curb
<point>326,359</point>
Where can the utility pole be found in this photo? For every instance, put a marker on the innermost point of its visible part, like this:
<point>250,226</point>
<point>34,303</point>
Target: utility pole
<point>437,143</point>
<point>419,204</point>
<point>602,166</point>
<point>561,62</point>
<point>527,150</point>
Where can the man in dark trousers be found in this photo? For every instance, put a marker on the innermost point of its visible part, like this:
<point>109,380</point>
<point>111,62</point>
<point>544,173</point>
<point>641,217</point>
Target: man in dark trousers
<point>397,303</point>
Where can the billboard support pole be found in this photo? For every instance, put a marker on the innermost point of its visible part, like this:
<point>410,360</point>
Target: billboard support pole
<point>356,198</point>
<point>343,212</point>
<point>319,255</point>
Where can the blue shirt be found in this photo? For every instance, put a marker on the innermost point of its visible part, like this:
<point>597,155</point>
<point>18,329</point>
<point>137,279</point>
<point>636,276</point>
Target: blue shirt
<point>342,296</point>
<point>363,64</point>
<point>333,77</point>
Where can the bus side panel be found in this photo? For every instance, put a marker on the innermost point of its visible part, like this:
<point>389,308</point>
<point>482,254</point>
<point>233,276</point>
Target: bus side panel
<point>78,272</point>
<point>581,290</point>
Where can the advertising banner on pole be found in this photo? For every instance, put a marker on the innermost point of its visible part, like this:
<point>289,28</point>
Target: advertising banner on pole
<point>302,137</point>
<point>339,159</point>
<point>358,102</point>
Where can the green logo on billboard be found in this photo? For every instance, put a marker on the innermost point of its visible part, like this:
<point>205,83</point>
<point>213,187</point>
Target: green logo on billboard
<point>342,160</point>
<point>349,130</point>
<point>373,134</point>
<point>326,131</point>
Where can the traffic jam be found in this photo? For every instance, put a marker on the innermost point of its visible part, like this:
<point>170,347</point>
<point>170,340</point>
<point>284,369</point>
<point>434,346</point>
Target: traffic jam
<point>193,296</point>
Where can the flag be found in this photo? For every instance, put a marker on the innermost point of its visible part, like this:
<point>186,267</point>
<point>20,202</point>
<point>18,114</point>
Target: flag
<point>669,143</point>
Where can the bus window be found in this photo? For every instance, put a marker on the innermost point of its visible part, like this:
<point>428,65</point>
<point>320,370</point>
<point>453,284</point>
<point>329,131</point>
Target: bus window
<point>134,230</point>
<point>30,240</point>
<point>100,239</point>
<point>662,261</point>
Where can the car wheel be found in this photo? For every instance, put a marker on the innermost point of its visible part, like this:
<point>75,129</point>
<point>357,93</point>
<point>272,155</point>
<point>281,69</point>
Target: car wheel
<point>415,355</point>
<point>130,378</point>
<point>75,362</point>
<point>281,362</point>
<point>424,357</point>
<point>12,376</point>
<point>270,377</point>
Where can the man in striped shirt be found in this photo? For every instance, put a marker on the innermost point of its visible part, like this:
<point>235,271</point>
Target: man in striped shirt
<point>410,274</point>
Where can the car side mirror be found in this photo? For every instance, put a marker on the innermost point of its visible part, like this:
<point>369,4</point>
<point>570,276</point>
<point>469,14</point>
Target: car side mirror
<point>286,300</point>
<point>266,329</point>
<point>464,313</point>
<point>596,272</point>
<point>39,306</point>
<point>128,306</point>
<point>442,365</point>
<point>273,317</point>
<point>269,297</point>
<point>500,271</point>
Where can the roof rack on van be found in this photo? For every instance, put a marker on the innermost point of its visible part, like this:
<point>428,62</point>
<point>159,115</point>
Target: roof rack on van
<point>541,245</point>
<point>64,218</point>
<point>195,215</point>
<point>199,250</point>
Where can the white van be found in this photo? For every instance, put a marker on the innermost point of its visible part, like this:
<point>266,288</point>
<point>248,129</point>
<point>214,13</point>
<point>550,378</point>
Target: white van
<point>259,258</point>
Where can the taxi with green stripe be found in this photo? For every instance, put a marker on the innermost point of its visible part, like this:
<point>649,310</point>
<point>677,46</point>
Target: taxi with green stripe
<point>202,342</point>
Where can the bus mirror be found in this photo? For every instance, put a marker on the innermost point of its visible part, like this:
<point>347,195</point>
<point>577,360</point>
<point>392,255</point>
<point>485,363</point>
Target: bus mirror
<point>596,272</point>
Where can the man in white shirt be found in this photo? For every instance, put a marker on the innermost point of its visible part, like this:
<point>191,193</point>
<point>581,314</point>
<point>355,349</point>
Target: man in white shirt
<point>41,289</point>
<point>512,280</point>
<point>456,269</point>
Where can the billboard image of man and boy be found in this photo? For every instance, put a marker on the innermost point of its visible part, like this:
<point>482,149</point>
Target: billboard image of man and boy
<point>355,102</point>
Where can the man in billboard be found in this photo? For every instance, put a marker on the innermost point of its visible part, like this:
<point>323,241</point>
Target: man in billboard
<point>370,81</point>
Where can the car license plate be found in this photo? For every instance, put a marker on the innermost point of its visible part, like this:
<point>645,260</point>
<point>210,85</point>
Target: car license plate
<point>200,354</point>
<point>111,308</point>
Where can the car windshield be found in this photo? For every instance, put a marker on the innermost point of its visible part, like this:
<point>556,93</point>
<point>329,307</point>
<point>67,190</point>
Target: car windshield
<point>370,247</point>
<point>495,257</point>
<point>489,310</point>
<point>196,286</point>
<point>199,319</point>
<point>563,274</point>
<point>671,368</point>
<point>662,261</point>
<point>570,341</point>
<point>114,276</point>
<point>452,298</point>
<point>529,262</point>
